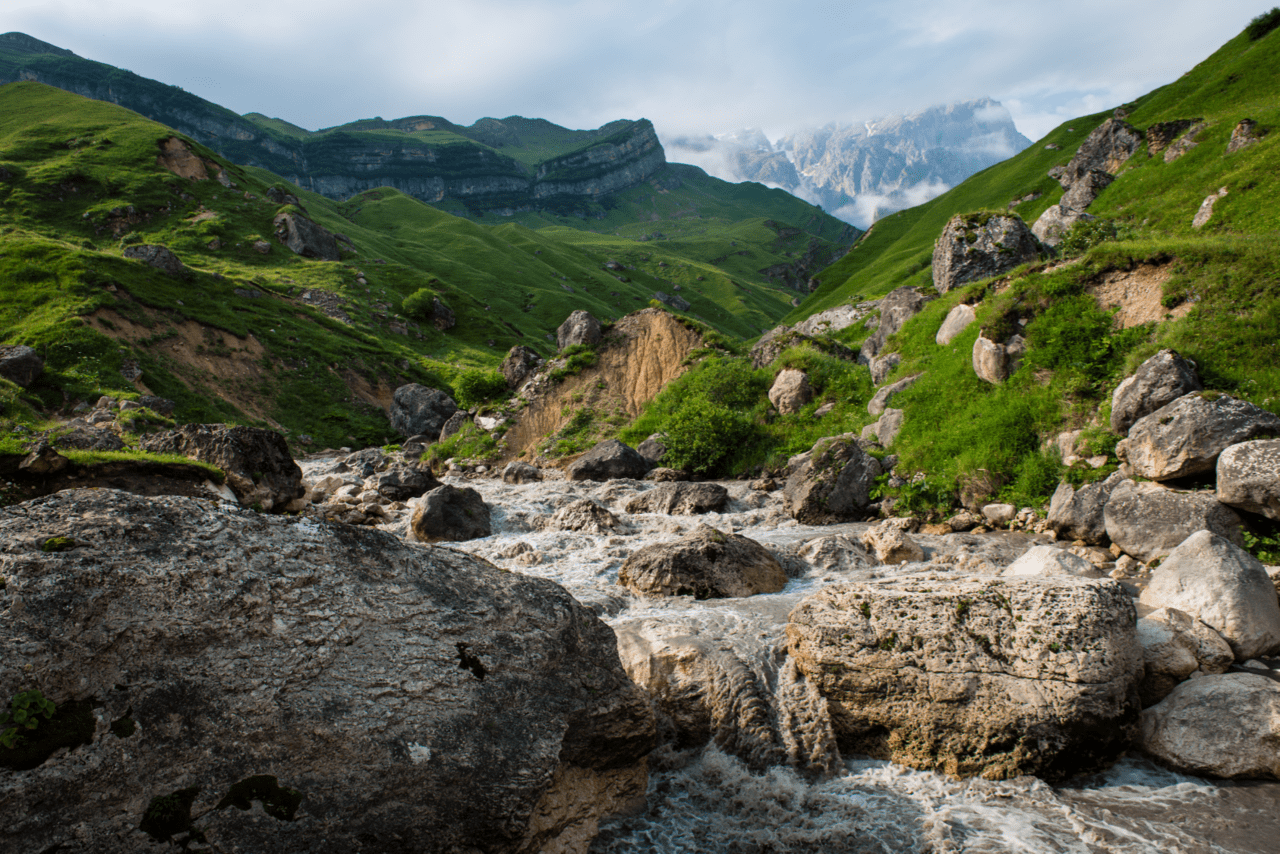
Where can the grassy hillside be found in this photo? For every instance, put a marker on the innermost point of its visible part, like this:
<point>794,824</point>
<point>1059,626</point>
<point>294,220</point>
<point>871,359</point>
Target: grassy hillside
<point>1211,293</point>
<point>240,337</point>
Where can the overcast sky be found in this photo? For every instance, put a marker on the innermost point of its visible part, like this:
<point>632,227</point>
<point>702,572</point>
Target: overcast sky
<point>689,65</point>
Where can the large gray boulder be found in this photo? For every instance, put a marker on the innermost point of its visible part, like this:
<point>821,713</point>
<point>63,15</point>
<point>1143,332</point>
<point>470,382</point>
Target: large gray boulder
<point>402,482</point>
<point>1053,225</point>
<point>1248,476</point>
<point>978,246</point>
<point>449,514</point>
<point>1185,437</point>
<point>419,410</point>
<point>1174,646</point>
<point>306,238</point>
<point>1225,587</point>
<point>882,366</point>
<point>681,499</point>
<point>1085,190</point>
<point>364,691</point>
<point>585,515</point>
<point>608,460</point>
<point>992,677</point>
<point>706,564</point>
<point>1105,150</point>
<point>259,468</point>
<point>896,308</point>
<point>1218,726</point>
<point>832,484</point>
<point>886,428</point>
<point>1148,521</point>
<point>20,364</point>
<point>1077,514</point>
<point>1043,561</point>
<point>520,362</point>
<point>1160,380</point>
<point>580,327</point>
<point>995,363</point>
<point>790,391</point>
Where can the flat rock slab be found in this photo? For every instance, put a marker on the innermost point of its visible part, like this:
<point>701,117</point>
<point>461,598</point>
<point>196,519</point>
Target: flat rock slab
<point>990,677</point>
<point>401,692</point>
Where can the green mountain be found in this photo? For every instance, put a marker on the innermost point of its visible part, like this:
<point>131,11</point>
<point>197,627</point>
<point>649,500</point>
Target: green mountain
<point>252,332</point>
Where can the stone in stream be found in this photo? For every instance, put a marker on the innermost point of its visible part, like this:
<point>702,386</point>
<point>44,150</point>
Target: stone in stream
<point>450,514</point>
<point>366,691</point>
<point>585,515</point>
<point>608,460</point>
<point>832,483</point>
<point>991,677</point>
<point>707,564</point>
<point>681,499</point>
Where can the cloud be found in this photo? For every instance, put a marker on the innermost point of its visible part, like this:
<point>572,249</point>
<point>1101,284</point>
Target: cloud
<point>867,208</point>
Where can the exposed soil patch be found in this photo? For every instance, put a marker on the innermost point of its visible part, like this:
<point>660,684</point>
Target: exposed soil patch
<point>1138,294</point>
<point>179,159</point>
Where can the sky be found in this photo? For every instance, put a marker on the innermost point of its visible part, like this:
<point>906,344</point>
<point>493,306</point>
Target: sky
<point>690,66</point>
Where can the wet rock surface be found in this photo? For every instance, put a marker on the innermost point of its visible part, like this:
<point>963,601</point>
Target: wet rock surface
<point>708,564</point>
<point>681,499</point>
<point>608,460</point>
<point>394,690</point>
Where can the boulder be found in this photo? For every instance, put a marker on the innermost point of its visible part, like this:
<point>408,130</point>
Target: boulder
<point>519,472</point>
<point>586,516</point>
<point>519,364</point>
<point>880,401</point>
<point>1244,134</point>
<point>1159,381</point>
<point>1045,561</point>
<point>706,564</point>
<point>979,246</point>
<point>1085,189</point>
<point>156,256</point>
<point>20,364</point>
<point>790,391</point>
<point>653,449</point>
<point>449,514</point>
<point>442,317</point>
<point>1204,213</point>
<point>1175,645</point>
<point>417,409</point>
<point>578,328</point>
<point>1105,150</point>
<point>896,308</point>
<point>681,499</point>
<point>1185,437</point>
<point>43,459</point>
<point>662,474</point>
<point>259,468</point>
<point>882,366</point>
<point>402,483</point>
<point>1077,514</point>
<point>1217,726</point>
<point>890,543</point>
<point>454,423</point>
<point>993,677</point>
<point>1052,225</point>
<point>608,460</point>
<point>1149,521</point>
<point>886,428</point>
<point>305,238</point>
<point>362,690</point>
<point>1222,585</point>
<point>832,484</point>
<point>999,515</point>
<point>957,321</point>
<point>995,363</point>
<point>835,553</point>
<point>1248,476</point>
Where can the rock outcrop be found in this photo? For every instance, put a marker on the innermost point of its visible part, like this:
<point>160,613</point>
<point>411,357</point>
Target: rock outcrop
<point>519,364</point>
<point>1185,437</point>
<point>707,564</point>
<point>580,327</point>
<point>608,460</point>
<point>417,410</point>
<point>1218,726</point>
<point>1105,150</point>
<point>20,364</point>
<point>365,692</point>
<point>880,400</point>
<point>832,484</point>
<point>154,255</point>
<point>1159,381</point>
<point>896,308</point>
<point>978,246</point>
<point>306,238</point>
<point>1149,521</point>
<point>1222,585</point>
<point>997,677</point>
<point>449,514</point>
<point>259,468</point>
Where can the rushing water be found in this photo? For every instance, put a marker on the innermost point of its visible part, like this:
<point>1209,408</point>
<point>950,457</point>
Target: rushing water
<point>706,800</point>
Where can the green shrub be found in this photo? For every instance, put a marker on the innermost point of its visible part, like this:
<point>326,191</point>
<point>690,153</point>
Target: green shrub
<point>420,304</point>
<point>1035,479</point>
<point>1085,234</point>
<point>469,443</point>
<point>24,714</point>
<point>702,435</point>
<point>478,385</point>
<point>1263,24</point>
<point>578,358</point>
